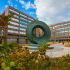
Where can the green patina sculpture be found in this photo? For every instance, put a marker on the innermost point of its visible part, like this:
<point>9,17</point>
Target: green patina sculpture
<point>30,32</point>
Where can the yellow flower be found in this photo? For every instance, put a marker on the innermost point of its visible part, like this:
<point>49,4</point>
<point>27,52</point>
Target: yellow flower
<point>12,64</point>
<point>36,61</point>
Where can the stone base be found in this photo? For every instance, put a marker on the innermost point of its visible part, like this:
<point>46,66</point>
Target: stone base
<point>32,47</point>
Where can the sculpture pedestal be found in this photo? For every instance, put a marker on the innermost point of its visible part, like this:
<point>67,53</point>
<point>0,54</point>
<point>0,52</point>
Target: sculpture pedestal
<point>32,47</point>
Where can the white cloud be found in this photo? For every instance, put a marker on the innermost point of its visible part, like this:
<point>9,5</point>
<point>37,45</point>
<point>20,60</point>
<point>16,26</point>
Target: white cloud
<point>6,6</point>
<point>26,5</point>
<point>32,13</point>
<point>22,2</point>
<point>29,5</point>
<point>10,2</point>
<point>53,11</point>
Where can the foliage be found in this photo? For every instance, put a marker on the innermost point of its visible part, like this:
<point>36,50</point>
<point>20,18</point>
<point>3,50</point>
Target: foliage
<point>4,21</point>
<point>67,44</point>
<point>16,57</point>
<point>43,48</point>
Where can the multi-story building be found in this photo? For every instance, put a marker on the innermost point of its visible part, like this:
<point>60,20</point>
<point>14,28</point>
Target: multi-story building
<point>16,30</point>
<point>60,31</point>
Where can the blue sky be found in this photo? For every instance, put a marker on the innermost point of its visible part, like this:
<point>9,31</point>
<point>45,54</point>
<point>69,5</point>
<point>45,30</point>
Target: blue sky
<point>26,6</point>
<point>49,11</point>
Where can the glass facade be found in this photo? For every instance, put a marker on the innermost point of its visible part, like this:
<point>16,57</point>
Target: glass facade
<point>18,24</point>
<point>60,31</point>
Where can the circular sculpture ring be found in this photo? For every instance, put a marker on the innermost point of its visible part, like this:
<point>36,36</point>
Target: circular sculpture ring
<point>32,37</point>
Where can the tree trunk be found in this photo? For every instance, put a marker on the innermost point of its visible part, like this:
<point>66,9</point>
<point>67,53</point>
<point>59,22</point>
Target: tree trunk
<point>1,35</point>
<point>5,34</point>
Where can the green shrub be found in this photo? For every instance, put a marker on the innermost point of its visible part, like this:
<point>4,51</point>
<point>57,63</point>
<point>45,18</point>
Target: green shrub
<point>15,57</point>
<point>43,48</point>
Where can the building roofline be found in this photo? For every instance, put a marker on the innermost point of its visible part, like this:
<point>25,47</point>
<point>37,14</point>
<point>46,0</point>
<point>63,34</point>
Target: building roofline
<point>60,23</point>
<point>20,12</point>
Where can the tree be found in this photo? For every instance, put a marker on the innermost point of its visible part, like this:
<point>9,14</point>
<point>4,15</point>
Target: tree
<point>4,21</point>
<point>43,48</point>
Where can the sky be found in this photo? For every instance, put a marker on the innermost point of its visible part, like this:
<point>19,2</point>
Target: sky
<point>48,11</point>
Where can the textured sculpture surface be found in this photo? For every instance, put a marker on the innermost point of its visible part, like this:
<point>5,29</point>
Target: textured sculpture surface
<point>30,32</point>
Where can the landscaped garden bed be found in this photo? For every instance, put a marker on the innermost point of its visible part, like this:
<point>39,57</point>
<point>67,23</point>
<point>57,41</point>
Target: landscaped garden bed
<point>16,57</point>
